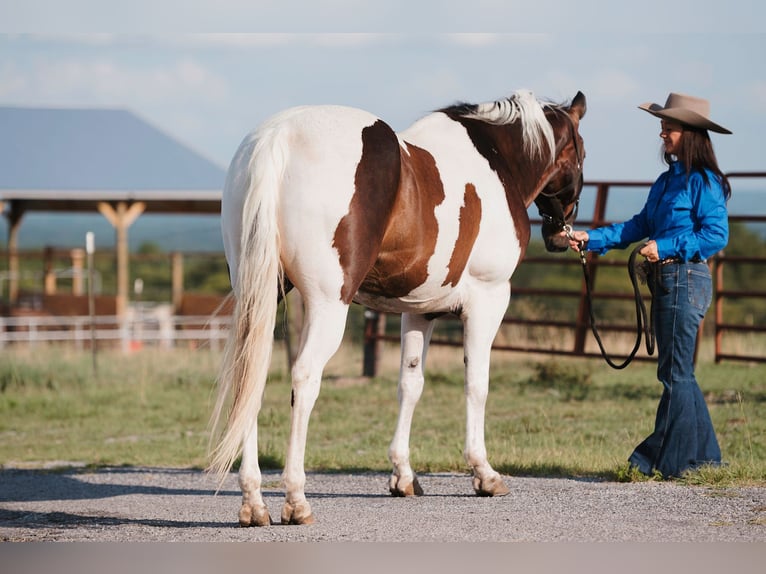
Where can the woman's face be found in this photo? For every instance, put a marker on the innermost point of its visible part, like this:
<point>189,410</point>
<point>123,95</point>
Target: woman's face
<point>671,134</point>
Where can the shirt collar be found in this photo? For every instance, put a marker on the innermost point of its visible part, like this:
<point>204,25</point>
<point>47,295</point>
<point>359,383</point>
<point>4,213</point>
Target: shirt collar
<point>677,168</point>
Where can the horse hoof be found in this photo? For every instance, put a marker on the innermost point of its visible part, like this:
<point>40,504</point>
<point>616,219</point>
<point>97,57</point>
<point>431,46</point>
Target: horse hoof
<point>299,513</point>
<point>397,488</point>
<point>250,515</point>
<point>493,486</point>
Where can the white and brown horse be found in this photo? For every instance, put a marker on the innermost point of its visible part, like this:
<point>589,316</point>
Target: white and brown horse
<point>433,220</point>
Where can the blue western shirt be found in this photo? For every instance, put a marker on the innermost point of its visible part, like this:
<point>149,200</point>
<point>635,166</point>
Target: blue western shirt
<point>685,216</point>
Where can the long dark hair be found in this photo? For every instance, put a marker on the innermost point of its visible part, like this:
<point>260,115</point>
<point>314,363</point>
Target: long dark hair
<point>697,155</point>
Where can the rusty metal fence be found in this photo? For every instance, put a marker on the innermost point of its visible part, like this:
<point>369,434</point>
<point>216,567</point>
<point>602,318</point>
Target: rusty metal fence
<point>757,290</point>
<point>576,330</point>
<point>569,334</point>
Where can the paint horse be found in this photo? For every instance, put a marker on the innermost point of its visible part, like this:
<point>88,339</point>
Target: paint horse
<point>432,220</point>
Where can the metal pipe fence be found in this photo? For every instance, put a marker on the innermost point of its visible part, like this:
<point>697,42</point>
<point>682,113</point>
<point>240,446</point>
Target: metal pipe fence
<point>138,329</point>
<point>375,330</point>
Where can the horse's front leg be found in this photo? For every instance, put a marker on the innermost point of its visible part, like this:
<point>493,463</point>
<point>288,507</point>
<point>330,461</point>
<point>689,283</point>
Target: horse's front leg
<point>253,511</point>
<point>416,333</point>
<point>481,319</point>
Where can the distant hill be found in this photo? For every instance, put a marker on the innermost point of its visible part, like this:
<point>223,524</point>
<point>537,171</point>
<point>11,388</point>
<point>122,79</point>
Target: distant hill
<point>186,233</point>
<point>193,233</point>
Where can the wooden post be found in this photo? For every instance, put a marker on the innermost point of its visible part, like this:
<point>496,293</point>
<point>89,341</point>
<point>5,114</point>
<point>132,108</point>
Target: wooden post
<point>49,276</point>
<point>122,218</point>
<point>374,325</point>
<point>14,220</point>
<point>177,280</point>
<point>90,249</point>
<point>78,256</point>
<point>718,306</point>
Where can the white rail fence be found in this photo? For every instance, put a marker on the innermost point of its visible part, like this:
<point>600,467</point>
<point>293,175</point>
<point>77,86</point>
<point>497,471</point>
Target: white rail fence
<point>129,333</point>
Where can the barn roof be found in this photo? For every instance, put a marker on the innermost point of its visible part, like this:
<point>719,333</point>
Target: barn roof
<point>57,159</point>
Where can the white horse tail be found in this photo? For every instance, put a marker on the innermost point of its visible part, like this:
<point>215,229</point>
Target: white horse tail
<point>253,183</point>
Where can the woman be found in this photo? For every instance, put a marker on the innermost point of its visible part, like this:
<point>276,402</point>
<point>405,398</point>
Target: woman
<point>685,221</point>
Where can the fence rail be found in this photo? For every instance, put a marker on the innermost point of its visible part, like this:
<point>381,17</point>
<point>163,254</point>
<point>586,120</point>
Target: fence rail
<point>375,323</point>
<point>140,329</point>
<point>126,333</point>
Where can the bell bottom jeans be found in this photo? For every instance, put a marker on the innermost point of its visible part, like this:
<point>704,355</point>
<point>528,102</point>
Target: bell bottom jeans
<point>683,436</point>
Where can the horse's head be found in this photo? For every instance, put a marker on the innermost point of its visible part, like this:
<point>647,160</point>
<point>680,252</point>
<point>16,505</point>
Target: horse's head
<point>562,182</point>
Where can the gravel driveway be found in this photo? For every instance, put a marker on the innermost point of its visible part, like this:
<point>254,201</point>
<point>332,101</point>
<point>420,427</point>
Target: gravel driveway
<point>156,504</point>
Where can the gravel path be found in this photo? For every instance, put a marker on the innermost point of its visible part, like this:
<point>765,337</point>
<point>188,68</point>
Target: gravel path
<point>152,504</point>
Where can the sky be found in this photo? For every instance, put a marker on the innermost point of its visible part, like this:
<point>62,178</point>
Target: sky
<point>208,75</point>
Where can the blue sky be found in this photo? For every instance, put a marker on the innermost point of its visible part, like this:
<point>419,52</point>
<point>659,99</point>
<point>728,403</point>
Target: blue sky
<point>159,60</point>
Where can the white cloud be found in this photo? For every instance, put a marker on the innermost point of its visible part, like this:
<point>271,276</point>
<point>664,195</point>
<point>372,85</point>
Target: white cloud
<point>563,85</point>
<point>11,82</point>
<point>344,40</point>
<point>88,40</point>
<point>213,40</point>
<point>102,82</point>
<point>474,39</point>
<point>318,15</point>
<point>230,40</point>
<point>443,82</point>
<point>755,96</point>
<point>490,39</point>
<point>615,85</point>
<point>178,40</point>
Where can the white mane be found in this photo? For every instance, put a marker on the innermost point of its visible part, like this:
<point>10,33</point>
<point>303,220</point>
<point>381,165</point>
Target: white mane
<point>521,106</point>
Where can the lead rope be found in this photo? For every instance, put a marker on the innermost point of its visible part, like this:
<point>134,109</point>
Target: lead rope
<point>643,326</point>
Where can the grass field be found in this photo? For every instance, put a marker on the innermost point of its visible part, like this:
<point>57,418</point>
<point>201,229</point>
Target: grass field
<point>545,416</point>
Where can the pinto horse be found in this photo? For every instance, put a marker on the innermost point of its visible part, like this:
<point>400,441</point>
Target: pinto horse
<point>433,220</point>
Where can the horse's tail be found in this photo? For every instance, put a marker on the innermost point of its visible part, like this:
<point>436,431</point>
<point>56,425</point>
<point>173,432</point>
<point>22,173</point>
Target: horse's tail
<point>247,354</point>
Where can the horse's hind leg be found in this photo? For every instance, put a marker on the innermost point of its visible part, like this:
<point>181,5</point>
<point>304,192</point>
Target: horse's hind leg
<point>253,511</point>
<point>321,336</point>
<point>482,317</point>
<point>416,333</point>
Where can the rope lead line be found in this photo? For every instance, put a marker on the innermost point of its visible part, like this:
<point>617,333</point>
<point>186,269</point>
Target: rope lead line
<point>642,324</point>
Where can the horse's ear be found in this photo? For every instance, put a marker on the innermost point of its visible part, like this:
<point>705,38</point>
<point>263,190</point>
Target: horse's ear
<point>579,105</point>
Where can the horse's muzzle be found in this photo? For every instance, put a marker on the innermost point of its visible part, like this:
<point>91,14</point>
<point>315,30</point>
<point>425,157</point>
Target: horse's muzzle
<point>555,242</point>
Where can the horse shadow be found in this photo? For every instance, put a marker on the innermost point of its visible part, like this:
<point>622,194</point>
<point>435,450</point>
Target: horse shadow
<point>22,485</point>
<point>68,520</point>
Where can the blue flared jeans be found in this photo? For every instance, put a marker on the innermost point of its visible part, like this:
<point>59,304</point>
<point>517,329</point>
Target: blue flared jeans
<point>683,436</point>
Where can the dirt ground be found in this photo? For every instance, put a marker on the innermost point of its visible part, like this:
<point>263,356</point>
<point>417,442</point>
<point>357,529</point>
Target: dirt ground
<point>110,520</point>
<point>155,504</point>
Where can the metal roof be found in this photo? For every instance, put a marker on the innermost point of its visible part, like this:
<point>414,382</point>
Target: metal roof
<point>58,159</point>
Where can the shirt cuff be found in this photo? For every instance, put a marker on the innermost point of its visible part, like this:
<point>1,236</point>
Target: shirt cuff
<point>595,241</point>
<point>665,248</point>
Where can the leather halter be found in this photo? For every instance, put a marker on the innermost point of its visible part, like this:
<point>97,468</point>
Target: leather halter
<point>558,218</point>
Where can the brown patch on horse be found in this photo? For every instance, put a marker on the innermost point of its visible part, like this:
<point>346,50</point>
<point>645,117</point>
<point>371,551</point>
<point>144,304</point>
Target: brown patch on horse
<point>496,144</point>
<point>410,240</point>
<point>470,219</point>
<point>360,233</point>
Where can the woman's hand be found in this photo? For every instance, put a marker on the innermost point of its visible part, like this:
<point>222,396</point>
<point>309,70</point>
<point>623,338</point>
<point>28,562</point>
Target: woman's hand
<point>649,250</point>
<point>577,239</point>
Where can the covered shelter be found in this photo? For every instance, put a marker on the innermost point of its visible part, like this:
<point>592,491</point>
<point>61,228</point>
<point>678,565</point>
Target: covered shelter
<point>108,161</point>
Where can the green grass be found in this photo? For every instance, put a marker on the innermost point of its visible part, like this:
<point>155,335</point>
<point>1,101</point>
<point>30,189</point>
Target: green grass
<point>545,416</point>
<point>141,409</point>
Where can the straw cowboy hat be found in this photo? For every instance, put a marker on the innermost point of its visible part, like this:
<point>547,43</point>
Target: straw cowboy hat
<point>687,110</point>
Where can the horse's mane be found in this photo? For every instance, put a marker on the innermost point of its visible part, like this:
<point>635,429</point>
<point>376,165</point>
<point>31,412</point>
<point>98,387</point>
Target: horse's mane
<point>522,106</point>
